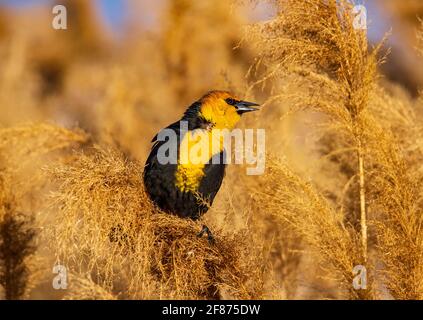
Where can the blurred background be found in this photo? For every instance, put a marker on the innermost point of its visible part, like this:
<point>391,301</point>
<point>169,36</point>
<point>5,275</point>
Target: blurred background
<point>122,69</point>
<point>119,60</point>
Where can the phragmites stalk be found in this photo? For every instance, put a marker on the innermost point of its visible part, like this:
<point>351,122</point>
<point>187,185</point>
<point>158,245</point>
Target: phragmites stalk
<point>17,246</point>
<point>317,45</point>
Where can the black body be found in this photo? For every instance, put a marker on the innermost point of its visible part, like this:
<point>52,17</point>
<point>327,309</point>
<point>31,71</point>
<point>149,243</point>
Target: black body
<point>159,179</point>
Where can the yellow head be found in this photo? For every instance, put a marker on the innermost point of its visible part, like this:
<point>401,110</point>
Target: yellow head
<point>222,110</point>
<point>207,117</point>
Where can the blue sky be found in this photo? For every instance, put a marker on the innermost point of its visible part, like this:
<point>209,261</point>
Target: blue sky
<point>113,11</point>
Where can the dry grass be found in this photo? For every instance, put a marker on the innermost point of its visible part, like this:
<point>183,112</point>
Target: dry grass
<point>298,205</point>
<point>104,217</point>
<point>24,150</point>
<point>323,51</point>
<point>395,188</point>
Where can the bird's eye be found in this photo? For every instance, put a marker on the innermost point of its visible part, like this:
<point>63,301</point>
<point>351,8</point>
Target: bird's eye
<point>230,101</point>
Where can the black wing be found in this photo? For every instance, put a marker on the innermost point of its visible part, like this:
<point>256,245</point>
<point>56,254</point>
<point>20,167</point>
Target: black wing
<point>159,178</point>
<point>152,158</point>
<point>213,177</point>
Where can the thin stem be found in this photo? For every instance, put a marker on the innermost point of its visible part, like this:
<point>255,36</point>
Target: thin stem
<point>363,219</point>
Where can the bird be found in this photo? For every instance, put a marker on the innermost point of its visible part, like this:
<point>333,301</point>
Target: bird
<point>187,188</point>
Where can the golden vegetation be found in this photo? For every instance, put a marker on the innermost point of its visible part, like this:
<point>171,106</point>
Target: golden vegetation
<point>106,219</point>
<point>343,178</point>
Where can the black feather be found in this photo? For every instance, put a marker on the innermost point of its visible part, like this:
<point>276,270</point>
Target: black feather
<point>159,179</point>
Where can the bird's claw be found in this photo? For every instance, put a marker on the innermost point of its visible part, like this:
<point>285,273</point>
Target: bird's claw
<point>210,237</point>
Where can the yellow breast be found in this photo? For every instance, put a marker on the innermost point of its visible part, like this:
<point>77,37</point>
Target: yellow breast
<point>195,151</point>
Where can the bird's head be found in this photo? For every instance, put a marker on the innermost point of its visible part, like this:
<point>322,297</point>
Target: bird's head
<point>220,110</point>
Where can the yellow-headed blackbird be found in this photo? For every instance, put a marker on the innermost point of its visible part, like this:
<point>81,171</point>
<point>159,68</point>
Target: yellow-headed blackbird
<point>177,187</point>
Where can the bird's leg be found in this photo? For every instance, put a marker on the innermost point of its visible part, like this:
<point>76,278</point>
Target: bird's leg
<point>210,237</point>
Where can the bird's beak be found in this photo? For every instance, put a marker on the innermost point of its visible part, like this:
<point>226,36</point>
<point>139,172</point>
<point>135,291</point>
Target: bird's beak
<point>245,106</point>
